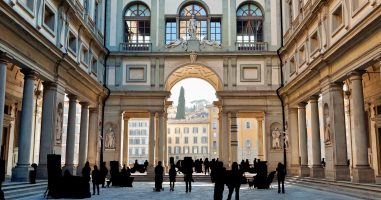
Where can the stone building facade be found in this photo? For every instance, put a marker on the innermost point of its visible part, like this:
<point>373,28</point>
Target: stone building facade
<point>49,50</point>
<point>331,69</point>
<point>231,44</point>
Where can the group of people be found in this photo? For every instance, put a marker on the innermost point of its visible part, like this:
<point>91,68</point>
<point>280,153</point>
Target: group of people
<point>98,176</point>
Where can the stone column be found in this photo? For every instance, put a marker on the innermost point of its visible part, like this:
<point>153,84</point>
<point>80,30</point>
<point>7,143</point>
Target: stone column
<point>70,137</point>
<point>316,170</point>
<point>151,140</point>
<point>361,171</point>
<point>293,140</point>
<point>334,133</point>
<point>166,159</point>
<point>161,138</point>
<point>83,136</point>
<point>224,145</point>
<point>48,126</point>
<point>21,171</point>
<point>93,135</point>
<point>304,169</point>
<point>125,140</point>
<point>234,138</point>
<point>3,81</point>
<point>260,138</point>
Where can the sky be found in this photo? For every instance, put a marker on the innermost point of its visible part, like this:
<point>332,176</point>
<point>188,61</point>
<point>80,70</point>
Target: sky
<point>195,89</point>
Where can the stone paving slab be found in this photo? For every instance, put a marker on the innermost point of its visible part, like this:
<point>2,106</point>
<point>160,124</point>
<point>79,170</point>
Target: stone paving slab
<point>201,191</point>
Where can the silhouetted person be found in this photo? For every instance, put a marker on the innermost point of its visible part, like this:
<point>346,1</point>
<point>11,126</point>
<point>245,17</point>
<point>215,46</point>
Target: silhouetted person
<point>145,165</point>
<point>33,173</point>
<point>323,162</point>
<point>96,178</point>
<point>219,175</point>
<point>348,162</point>
<point>103,172</point>
<point>159,171</point>
<point>67,173</point>
<point>188,178</point>
<point>86,172</point>
<point>234,181</point>
<point>281,173</point>
<point>206,165</point>
<point>172,177</point>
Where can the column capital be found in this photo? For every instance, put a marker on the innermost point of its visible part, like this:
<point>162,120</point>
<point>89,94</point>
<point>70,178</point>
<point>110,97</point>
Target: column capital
<point>84,104</point>
<point>5,57</point>
<point>356,74</point>
<point>48,85</point>
<point>302,105</point>
<point>314,98</point>
<point>29,74</point>
<point>233,114</point>
<point>72,97</point>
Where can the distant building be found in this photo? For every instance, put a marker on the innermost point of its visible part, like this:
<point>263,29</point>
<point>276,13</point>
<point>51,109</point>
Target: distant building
<point>137,140</point>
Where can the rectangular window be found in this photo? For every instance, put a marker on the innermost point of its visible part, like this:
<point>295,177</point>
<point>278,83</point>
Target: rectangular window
<point>186,130</point>
<point>49,18</point>
<point>195,150</point>
<point>214,125</point>
<point>204,149</point>
<point>204,130</point>
<point>29,4</point>
<point>94,67</point>
<point>302,55</point>
<point>169,150</point>
<point>170,31</point>
<point>143,141</point>
<point>96,10</point>
<point>314,42</point>
<point>248,124</point>
<point>249,31</point>
<point>177,140</point>
<point>185,140</point>
<point>138,31</point>
<point>177,130</point>
<point>85,55</point>
<point>194,140</point>
<point>72,43</point>
<point>195,129</point>
<point>337,19</point>
<point>204,140</point>
<point>215,29</point>
<point>214,144</point>
<point>169,140</point>
<point>169,131</point>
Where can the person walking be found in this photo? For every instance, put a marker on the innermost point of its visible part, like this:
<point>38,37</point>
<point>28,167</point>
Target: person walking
<point>234,181</point>
<point>96,179</point>
<point>104,172</point>
<point>188,178</point>
<point>172,177</point>
<point>281,173</point>
<point>219,178</point>
<point>159,171</point>
<point>206,166</point>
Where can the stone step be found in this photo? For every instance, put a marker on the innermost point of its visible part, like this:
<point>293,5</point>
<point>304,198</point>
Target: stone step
<point>145,178</point>
<point>22,190</point>
<point>363,191</point>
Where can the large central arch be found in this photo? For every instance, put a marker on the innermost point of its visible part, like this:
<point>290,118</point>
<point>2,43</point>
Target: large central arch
<point>193,71</point>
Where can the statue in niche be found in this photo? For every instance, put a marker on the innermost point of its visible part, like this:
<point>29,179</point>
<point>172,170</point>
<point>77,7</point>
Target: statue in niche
<point>276,139</point>
<point>59,123</point>
<point>286,141</point>
<point>110,139</point>
<point>192,28</point>
<point>327,132</point>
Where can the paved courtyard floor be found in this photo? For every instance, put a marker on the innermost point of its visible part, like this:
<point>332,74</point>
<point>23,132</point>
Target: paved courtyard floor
<point>204,191</point>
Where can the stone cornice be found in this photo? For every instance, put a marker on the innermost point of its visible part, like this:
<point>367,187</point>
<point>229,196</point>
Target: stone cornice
<point>174,54</point>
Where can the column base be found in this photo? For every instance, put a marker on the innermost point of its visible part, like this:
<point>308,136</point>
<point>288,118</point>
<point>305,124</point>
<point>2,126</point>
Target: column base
<point>338,173</point>
<point>150,170</point>
<point>71,169</point>
<point>304,171</point>
<point>363,174</point>
<point>42,171</point>
<point>317,171</point>
<point>293,170</point>
<point>20,173</point>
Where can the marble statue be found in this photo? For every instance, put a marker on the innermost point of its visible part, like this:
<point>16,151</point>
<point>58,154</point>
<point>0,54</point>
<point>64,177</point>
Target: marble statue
<point>59,123</point>
<point>192,29</point>
<point>110,139</point>
<point>276,139</point>
<point>176,43</point>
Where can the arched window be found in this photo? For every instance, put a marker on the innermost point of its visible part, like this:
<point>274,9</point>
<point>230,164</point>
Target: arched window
<point>249,23</point>
<point>137,24</point>
<point>199,14</point>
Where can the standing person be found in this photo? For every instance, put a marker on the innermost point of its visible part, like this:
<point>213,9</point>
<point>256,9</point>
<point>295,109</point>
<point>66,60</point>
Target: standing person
<point>234,181</point>
<point>219,173</point>
<point>206,165</point>
<point>172,177</point>
<point>145,165</point>
<point>188,178</point>
<point>96,178</point>
<point>281,173</point>
<point>86,172</point>
<point>104,172</point>
<point>159,170</point>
